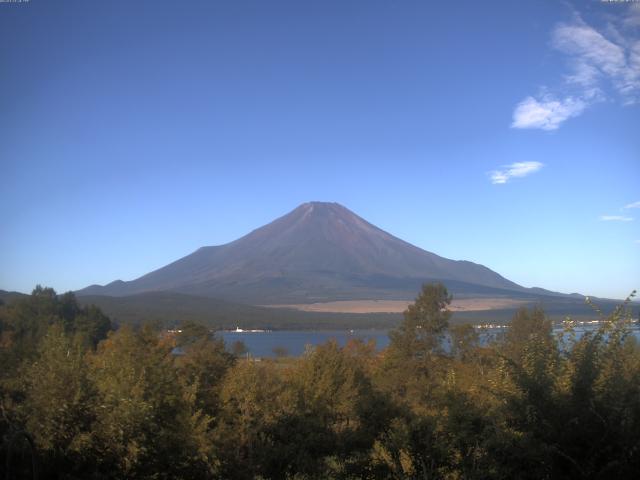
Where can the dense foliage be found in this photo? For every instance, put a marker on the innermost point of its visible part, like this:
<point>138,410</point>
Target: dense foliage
<point>90,402</point>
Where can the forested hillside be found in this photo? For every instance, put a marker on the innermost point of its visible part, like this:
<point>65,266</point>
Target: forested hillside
<point>80,400</point>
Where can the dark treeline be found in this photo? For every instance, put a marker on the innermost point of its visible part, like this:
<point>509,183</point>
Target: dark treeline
<point>90,402</point>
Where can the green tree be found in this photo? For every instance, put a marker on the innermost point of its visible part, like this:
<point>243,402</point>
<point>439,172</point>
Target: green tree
<point>425,322</point>
<point>59,400</point>
<point>239,349</point>
<point>27,320</point>
<point>526,326</point>
<point>91,325</point>
<point>464,341</point>
<point>146,423</point>
<point>342,411</point>
<point>255,400</point>
<point>570,413</point>
<point>203,365</point>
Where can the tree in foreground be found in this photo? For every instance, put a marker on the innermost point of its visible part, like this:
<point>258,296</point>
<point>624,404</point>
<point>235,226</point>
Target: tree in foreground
<point>425,323</point>
<point>146,425</point>
<point>528,406</point>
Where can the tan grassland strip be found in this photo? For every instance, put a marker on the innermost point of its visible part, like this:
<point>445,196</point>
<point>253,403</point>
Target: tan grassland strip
<point>398,306</point>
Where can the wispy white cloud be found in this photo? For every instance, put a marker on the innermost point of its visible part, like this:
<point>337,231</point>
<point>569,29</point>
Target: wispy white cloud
<point>602,63</point>
<point>621,218</point>
<point>547,113</point>
<point>633,18</point>
<point>518,169</point>
<point>615,218</point>
<point>596,59</point>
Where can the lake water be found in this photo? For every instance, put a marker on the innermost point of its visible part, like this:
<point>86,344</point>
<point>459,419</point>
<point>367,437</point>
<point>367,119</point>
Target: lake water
<point>262,344</point>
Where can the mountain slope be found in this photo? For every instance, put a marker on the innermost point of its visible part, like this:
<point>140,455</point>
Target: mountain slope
<point>318,252</point>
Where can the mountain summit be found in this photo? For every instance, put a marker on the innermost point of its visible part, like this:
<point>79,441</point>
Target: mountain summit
<point>317,252</point>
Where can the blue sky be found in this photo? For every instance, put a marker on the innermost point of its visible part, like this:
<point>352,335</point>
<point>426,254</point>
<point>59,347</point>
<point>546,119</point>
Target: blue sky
<point>506,133</point>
